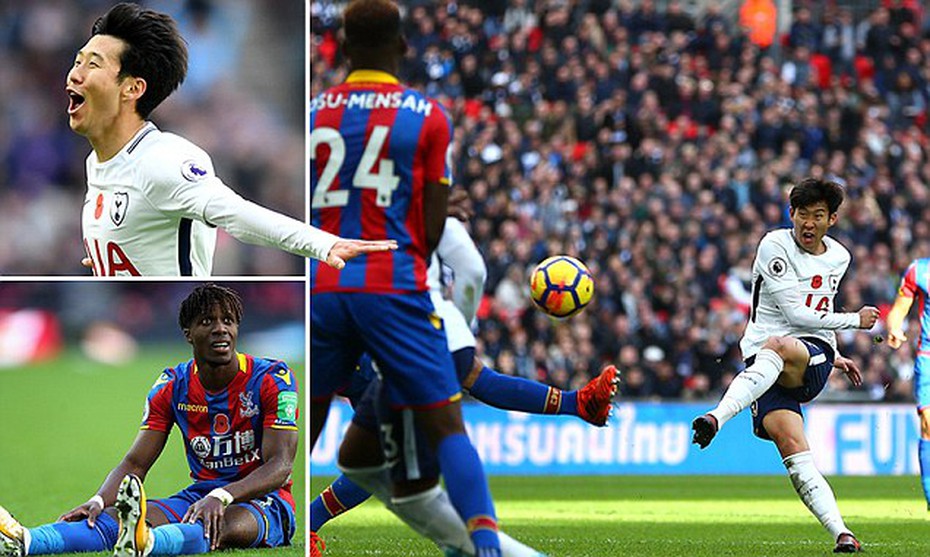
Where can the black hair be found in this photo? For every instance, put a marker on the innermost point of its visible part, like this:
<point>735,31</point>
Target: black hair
<point>372,24</point>
<point>199,302</point>
<point>155,50</point>
<point>814,190</point>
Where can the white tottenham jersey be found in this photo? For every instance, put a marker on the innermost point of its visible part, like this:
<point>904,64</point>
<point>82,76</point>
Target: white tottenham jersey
<point>781,264</point>
<point>152,211</point>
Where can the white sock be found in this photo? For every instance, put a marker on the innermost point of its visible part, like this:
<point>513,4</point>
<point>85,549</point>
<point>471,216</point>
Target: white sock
<point>432,515</point>
<point>749,385</point>
<point>815,492</point>
<point>374,480</point>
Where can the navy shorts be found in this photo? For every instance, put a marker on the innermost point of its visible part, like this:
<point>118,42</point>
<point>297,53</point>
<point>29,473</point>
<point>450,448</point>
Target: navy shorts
<point>402,332</point>
<point>816,375</point>
<point>275,516</point>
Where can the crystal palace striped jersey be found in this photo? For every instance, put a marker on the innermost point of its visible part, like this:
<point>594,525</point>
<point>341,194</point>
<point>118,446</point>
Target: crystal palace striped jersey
<point>374,145</point>
<point>223,430</point>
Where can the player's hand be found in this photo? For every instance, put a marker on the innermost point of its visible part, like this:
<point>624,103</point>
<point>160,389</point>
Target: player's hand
<point>210,510</point>
<point>89,510</point>
<point>87,262</point>
<point>344,250</point>
<point>460,206</point>
<point>868,315</point>
<point>850,368</point>
<point>896,339</point>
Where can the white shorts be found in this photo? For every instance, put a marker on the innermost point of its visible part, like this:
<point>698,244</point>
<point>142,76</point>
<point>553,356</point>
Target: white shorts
<point>458,333</point>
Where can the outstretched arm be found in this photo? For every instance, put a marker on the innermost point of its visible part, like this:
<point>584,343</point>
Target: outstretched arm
<point>138,460</point>
<point>279,447</point>
<point>896,335</point>
<point>799,315</point>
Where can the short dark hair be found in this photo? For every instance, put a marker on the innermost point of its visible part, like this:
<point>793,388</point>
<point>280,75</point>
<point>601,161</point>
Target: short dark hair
<point>155,50</point>
<point>371,23</point>
<point>199,302</point>
<point>814,190</point>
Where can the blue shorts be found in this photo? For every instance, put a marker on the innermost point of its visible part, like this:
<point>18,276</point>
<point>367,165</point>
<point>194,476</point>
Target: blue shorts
<point>816,375</point>
<point>403,334</point>
<point>274,515</point>
<point>922,381</point>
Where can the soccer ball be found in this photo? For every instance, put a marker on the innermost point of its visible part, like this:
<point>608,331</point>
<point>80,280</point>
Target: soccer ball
<point>561,286</point>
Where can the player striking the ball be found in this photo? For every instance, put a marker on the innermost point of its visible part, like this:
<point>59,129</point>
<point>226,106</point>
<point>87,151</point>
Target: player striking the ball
<point>790,345</point>
<point>153,201</point>
<point>916,284</point>
<point>238,417</point>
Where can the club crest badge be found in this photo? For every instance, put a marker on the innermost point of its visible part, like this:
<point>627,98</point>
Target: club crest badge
<point>118,207</point>
<point>247,408</point>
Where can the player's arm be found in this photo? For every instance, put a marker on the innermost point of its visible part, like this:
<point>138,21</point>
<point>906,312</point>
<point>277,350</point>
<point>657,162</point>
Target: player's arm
<point>143,453</point>
<point>279,448</point>
<point>902,305</point>
<point>457,250</point>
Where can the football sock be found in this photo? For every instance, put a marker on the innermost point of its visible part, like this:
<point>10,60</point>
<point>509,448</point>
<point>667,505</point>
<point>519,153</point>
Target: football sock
<point>517,393</point>
<point>73,537</point>
<point>469,493</point>
<point>815,492</point>
<point>179,539</point>
<point>923,454</point>
<point>749,385</point>
<point>342,495</point>
<point>375,481</point>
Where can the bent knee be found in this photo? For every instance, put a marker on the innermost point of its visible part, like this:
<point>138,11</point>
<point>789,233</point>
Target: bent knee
<point>780,345</point>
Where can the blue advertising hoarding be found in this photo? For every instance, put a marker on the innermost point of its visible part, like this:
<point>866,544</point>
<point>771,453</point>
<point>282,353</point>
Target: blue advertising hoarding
<point>655,438</point>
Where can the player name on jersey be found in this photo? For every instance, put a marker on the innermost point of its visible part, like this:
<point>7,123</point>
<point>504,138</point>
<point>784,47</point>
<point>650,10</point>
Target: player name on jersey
<point>370,100</point>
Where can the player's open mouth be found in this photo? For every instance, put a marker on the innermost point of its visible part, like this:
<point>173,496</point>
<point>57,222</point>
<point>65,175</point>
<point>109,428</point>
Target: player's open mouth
<point>807,236</point>
<point>75,101</point>
<point>220,345</point>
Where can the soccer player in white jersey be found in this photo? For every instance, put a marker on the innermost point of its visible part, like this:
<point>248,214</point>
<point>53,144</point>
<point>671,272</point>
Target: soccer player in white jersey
<point>790,345</point>
<point>153,201</point>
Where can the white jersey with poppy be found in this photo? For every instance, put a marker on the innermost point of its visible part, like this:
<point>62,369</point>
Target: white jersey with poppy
<point>793,292</point>
<point>152,210</point>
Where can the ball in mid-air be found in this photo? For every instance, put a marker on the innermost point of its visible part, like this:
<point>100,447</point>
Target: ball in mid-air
<point>561,286</point>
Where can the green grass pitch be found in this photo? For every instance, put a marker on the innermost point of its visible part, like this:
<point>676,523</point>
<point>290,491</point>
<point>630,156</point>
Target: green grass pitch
<point>654,516</point>
<point>64,424</point>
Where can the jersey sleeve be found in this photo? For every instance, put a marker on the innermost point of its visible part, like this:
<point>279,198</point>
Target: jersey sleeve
<point>280,408</point>
<point>438,147</point>
<point>908,288</point>
<point>158,414</point>
<point>773,264</point>
<point>178,179</point>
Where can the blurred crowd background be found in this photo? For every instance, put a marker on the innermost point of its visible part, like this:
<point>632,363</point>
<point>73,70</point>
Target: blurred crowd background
<point>111,322</point>
<point>242,102</point>
<point>657,141</point>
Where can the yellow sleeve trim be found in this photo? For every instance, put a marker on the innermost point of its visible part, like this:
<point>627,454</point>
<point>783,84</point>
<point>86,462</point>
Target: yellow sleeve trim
<point>285,427</point>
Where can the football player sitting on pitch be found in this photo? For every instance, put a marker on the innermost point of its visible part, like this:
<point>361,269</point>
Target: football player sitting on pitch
<point>238,416</point>
<point>790,345</point>
<point>153,201</point>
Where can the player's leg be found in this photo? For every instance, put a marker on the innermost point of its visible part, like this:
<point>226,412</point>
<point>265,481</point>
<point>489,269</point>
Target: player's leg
<point>591,403</point>
<point>922,395</point>
<point>786,428</point>
<point>781,359</point>
<point>407,339</point>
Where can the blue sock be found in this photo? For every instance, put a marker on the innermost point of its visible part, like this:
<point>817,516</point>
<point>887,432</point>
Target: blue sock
<point>923,454</point>
<point>517,393</point>
<point>469,493</point>
<point>179,539</point>
<point>73,537</point>
<point>342,495</point>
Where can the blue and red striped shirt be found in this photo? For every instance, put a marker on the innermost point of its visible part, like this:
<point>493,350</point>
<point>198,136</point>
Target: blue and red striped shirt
<point>374,145</point>
<point>916,284</point>
<point>223,430</point>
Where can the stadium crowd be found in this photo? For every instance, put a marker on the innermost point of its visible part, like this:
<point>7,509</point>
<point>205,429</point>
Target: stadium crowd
<point>658,147</point>
<point>242,102</point>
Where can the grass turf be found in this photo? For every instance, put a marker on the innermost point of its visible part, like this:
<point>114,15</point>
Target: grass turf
<point>65,423</point>
<point>694,516</point>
